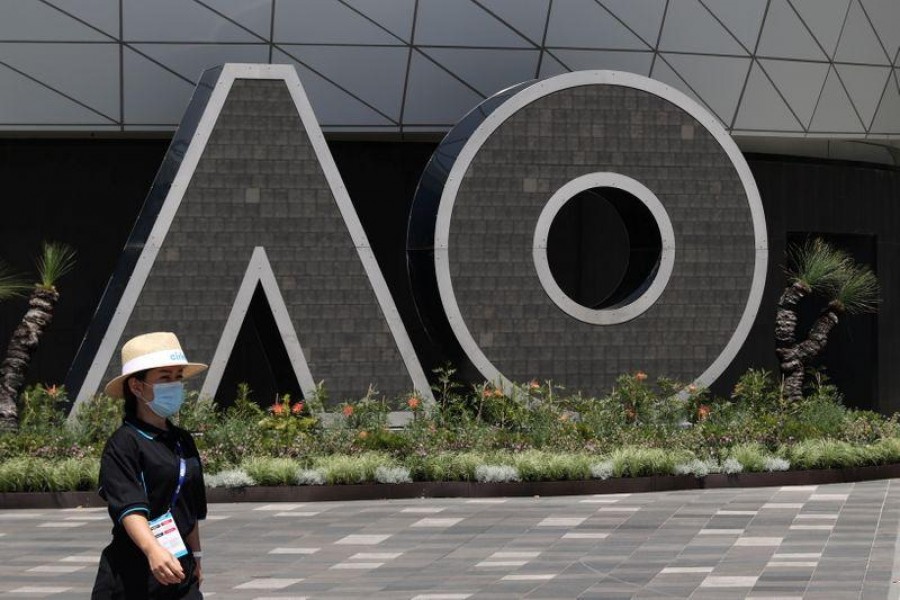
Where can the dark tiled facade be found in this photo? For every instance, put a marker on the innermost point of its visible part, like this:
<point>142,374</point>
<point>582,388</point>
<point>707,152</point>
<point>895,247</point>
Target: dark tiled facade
<point>551,141</point>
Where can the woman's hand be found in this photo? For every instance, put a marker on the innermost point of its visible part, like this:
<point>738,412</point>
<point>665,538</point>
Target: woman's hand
<point>165,567</point>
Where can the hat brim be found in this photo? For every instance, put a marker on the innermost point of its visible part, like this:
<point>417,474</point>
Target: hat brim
<point>116,387</point>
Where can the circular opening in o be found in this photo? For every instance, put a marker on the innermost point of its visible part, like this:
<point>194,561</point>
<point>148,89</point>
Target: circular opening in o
<point>604,248</point>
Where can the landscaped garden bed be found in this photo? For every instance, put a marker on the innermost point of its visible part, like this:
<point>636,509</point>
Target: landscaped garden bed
<point>474,441</point>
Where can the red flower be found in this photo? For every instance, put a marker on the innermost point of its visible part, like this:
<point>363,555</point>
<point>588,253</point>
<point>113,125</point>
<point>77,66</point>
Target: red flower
<point>277,408</point>
<point>347,410</point>
<point>413,402</point>
<point>486,392</point>
<point>692,389</point>
<point>702,412</point>
<point>535,384</point>
<point>53,391</point>
<point>640,376</point>
<point>297,408</point>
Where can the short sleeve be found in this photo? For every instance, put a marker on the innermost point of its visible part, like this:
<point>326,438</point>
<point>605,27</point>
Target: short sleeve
<point>121,477</point>
<point>199,485</point>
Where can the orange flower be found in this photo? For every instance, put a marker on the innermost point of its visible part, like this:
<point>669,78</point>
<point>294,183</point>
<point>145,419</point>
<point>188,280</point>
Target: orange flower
<point>640,376</point>
<point>297,408</point>
<point>486,392</point>
<point>498,393</point>
<point>702,412</point>
<point>413,402</point>
<point>692,389</point>
<point>363,434</point>
<point>53,391</point>
<point>347,410</point>
<point>535,384</point>
<point>277,408</point>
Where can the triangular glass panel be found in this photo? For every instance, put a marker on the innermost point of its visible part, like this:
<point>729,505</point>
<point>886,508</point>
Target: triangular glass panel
<point>718,79</point>
<point>586,24</point>
<point>859,43</point>
<point>35,21</point>
<point>327,22</point>
<point>434,97</point>
<point>785,36</point>
<point>191,60</point>
<point>375,74</point>
<point>178,21</point>
<point>488,71</point>
<point>394,15</point>
<point>102,14</point>
<point>663,72</point>
<point>743,19</point>
<point>528,17</point>
<point>689,27</point>
<point>887,116</point>
<point>442,23</point>
<point>865,85</point>
<point>255,16</point>
<point>799,82</point>
<point>644,17</point>
<point>825,18</point>
<point>762,109</point>
<point>26,102</point>
<point>332,105</point>
<point>61,66</point>
<point>550,66</point>
<point>885,16</point>
<point>632,62</point>
<point>835,112</point>
<point>152,95</point>
<point>258,359</point>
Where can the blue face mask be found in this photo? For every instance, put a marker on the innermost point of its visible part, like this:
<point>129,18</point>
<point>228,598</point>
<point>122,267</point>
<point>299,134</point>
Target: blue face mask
<point>167,398</point>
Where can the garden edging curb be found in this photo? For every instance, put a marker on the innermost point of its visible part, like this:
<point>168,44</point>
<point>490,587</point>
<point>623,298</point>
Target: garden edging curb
<point>468,489</point>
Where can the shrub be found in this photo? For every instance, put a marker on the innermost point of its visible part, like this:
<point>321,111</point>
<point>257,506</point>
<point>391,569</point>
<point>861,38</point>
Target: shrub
<point>603,470</point>
<point>40,408</point>
<point>536,465</point>
<point>392,475</point>
<point>448,466</point>
<point>732,466</point>
<point>97,418</point>
<point>751,456</point>
<point>231,478</point>
<point>310,477</point>
<point>352,469</point>
<point>496,474</point>
<point>641,462</point>
<point>271,471</point>
<point>696,467</point>
<point>774,463</point>
<point>824,454</point>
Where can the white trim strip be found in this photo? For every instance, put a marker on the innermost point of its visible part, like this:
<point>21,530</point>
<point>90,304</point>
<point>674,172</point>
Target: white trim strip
<point>259,272</point>
<point>161,358</point>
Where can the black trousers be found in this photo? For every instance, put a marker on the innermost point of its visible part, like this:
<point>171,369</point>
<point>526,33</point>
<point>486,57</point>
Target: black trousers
<point>124,574</point>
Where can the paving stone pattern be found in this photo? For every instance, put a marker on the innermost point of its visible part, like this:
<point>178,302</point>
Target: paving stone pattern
<point>831,542</point>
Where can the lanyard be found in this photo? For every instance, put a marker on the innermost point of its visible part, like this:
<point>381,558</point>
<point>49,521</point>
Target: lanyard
<point>182,470</point>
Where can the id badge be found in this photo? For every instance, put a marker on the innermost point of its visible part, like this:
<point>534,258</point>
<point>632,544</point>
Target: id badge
<point>166,533</point>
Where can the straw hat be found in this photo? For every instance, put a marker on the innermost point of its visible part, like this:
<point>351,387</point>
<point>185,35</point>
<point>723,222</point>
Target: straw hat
<point>151,351</point>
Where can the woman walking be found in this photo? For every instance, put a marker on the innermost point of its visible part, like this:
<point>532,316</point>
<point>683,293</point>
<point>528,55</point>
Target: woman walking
<point>152,480</point>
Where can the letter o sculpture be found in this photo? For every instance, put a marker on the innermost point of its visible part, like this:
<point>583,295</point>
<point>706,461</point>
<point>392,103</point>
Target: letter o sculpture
<point>477,240</point>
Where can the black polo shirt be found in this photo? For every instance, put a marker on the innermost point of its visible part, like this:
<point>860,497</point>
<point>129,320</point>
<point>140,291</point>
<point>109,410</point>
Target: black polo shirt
<point>139,473</point>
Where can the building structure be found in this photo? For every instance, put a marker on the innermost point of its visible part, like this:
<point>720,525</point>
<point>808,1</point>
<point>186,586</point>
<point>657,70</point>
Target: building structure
<point>91,93</point>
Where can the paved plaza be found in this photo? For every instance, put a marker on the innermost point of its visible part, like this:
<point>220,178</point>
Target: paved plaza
<point>829,541</point>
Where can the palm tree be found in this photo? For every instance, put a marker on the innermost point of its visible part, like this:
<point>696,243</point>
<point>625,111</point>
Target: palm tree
<point>55,261</point>
<point>847,287</point>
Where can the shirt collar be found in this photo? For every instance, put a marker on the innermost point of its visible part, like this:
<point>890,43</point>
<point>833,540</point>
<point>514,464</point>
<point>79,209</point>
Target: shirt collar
<point>151,431</point>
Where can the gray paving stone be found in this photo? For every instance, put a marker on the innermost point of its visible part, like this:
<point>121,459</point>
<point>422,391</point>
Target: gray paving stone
<point>658,552</point>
